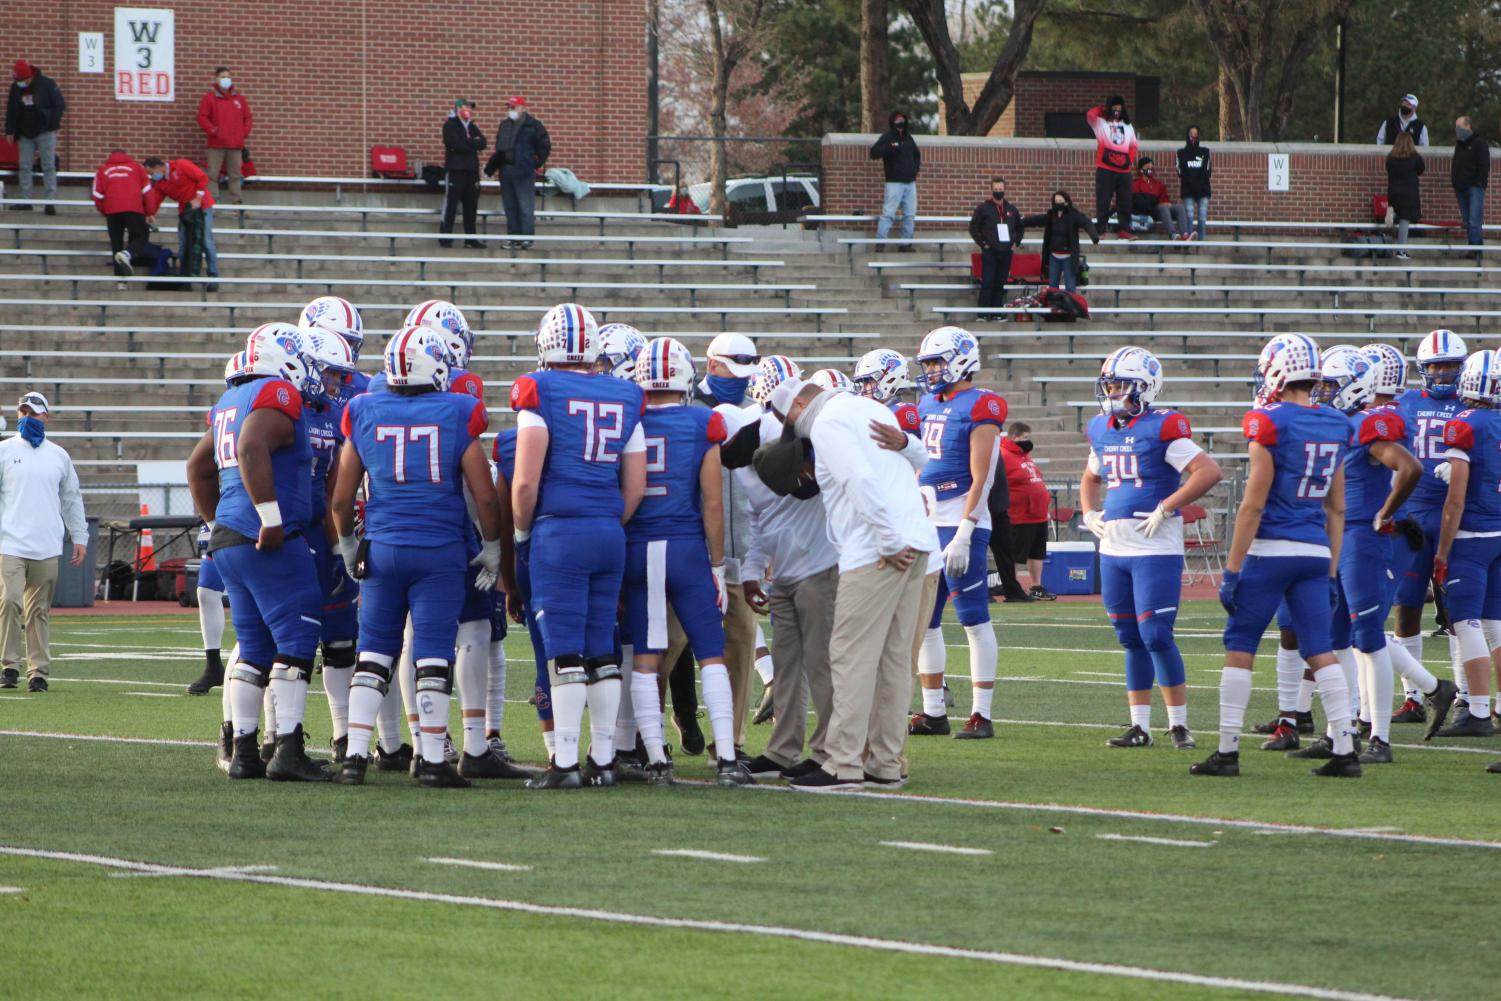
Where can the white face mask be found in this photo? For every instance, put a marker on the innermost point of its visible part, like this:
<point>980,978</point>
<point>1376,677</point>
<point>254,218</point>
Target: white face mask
<point>225,83</point>
<point>513,115</point>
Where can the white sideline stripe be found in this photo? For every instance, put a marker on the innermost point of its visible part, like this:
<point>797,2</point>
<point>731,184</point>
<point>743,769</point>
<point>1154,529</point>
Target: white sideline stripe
<point>14,698</point>
<point>143,655</point>
<point>226,870</point>
<point>706,856</point>
<point>177,684</point>
<point>160,741</point>
<point>155,695</point>
<point>922,846</point>
<point>692,924</point>
<point>12,889</point>
<point>472,864</point>
<point>1169,842</point>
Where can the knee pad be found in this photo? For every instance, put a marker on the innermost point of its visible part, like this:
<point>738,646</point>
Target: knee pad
<point>1157,632</point>
<point>250,674</point>
<point>1127,630</point>
<point>292,669</point>
<point>372,674</point>
<point>435,676</point>
<point>567,669</point>
<point>1369,632</point>
<point>339,654</point>
<point>601,669</point>
<point>1472,644</point>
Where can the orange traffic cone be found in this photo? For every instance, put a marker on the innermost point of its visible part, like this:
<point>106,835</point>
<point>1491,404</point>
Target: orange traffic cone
<point>146,557</point>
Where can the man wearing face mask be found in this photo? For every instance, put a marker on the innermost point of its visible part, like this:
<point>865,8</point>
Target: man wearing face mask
<point>522,147</point>
<point>1405,120</point>
<point>995,226</point>
<point>900,160</point>
<point>1030,501</point>
<point>224,117</point>
<point>1193,183</point>
<point>186,183</point>
<point>1149,197</point>
<point>462,142</point>
<point>1469,172</point>
<point>1115,152</point>
<point>39,497</point>
<point>33,114</point>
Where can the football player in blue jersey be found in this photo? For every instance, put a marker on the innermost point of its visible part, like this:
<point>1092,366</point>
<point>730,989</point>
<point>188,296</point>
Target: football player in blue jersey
<point>675,556</point>
<point>1286,546</point>
<point>1137,458</point>
<point>620,344</point>
<point>250,476</point>
<point>961,429</point>
<point>338,316</point>
<point>419,446</point>
<point>580,473</point>
<point>1467,559</point>
<point>211,603</point>
<point>884,375</point>
<point>1441,355</point>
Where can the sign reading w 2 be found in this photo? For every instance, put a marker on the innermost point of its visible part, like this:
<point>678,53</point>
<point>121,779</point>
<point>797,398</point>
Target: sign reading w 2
<point>145,54</point>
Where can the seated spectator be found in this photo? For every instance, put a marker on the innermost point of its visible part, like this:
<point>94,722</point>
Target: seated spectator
<point>1030,502</point>
<point>1403,168</point>
<point>185,183</point>
<point>1060,240</point>
<point>1149,197</point>
<point>682,203</point>
<point>120,190</point>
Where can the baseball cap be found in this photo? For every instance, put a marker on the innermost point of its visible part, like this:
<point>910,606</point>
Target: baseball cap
<point>22,70</point>
<point>36,401</point>
<point>779,464</point>
<point>517,102</point>
<point>785,393</point>
<point>738,353</point>
<point>1410,99</point>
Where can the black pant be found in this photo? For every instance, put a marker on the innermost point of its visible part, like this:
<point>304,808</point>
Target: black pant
<point>995,268</point>
<point>1110,184</point>
<point>1000,543</point>
<point>121,223</point>
<point>462,188</point>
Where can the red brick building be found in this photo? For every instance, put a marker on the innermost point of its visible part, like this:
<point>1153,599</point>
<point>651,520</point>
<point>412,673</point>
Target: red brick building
<point>1052,103</point>
<point>327,79</point>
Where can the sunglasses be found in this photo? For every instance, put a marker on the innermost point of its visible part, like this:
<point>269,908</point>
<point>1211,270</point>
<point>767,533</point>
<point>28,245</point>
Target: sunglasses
<point>740,359</point>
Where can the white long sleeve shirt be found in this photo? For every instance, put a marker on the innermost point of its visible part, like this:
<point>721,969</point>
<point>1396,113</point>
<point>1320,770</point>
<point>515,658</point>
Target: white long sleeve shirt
<point>869,493</point>
<point>38,495</point>
<point>787,535</point>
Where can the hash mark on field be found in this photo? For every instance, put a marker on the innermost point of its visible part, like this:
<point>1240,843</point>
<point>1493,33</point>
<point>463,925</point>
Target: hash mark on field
<point>922,846</point>
<point>12,889</point>
<point>155,695</point>
<point>706,856</point>
<point>1169,842</point>
<point>472,864</point>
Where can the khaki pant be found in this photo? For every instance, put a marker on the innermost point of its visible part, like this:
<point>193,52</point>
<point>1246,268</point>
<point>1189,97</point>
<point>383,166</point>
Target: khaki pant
<point>870,662</point>
<point>924,614</point>
<point>802,619</point>
<point>229,160</point>
<point>26,591</point>
<point>739,652</point>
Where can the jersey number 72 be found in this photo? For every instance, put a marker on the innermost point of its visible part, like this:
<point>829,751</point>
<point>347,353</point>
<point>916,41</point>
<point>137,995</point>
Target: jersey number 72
<point>598,435</point>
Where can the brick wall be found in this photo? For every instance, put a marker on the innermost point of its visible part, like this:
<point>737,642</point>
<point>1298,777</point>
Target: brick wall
<point>1038,93</point>
<point>1328,183</point>
<point>327,79</point>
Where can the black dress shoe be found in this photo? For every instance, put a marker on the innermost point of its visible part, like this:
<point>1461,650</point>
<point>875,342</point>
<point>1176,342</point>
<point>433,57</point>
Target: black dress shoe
<point>445,243</point>
<point>10,678</point>
<point>50,210</point>
<point>474,244</point>
<point>36,685</point>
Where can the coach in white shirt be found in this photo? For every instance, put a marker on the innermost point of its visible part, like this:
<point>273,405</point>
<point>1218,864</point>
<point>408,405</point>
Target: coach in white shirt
<point>38,496</point>
<point>885,541</point>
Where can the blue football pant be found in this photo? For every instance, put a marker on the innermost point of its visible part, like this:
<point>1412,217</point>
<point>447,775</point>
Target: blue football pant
<point>1303,581</point>
<point>274,600</point>
<point>576,568</point>
<point>1141,595</point>
<point>970,595</point>
<point>671,572</point>
<point>425,582</point>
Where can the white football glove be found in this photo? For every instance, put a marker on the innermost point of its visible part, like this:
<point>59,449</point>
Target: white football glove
<point>956,553</point>
<point>720,596</point>
<point>1442,471</point>
<point>1095,522</point>
<point>1154,521</point>
<point>488,561</point>
<point>349,550</point>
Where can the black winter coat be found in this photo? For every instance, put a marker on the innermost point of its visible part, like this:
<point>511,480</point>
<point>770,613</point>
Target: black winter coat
<point>49,103</point>
<point>1060,232</point>
<point>1402,175</point>
<point>524,145</point>
<point>1471,167</point>
<point>987,217</point>
<point>900,158</point>
<point>461,146</point>
<point>1193,171</point>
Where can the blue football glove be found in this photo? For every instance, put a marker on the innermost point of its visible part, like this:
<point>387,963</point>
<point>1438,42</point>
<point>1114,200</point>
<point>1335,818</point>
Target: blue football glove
<point>1229,584</point>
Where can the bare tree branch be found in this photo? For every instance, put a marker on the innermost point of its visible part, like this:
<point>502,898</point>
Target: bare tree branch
<point>931,18</point>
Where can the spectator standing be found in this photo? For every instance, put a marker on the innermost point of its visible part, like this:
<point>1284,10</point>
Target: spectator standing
<point>120,190</point>
<point>1115,152</point>
<point>1403,168</point>
<point>1149,197</point>
<point>462,143</point>
<point>39,497</point>
<point>1194,169</point>
<point>1060,240</point>
<point>682,202</point>
<point>901,161</point>
<point>1405,120</point>
<point>185,183</point>
<point>1030,502</point>
<point>1007,587</point>
<point>995,226</point>
<point>224,117</point>
<point>33,114</point>
<point>522,147</point>
<point>1469,172</point>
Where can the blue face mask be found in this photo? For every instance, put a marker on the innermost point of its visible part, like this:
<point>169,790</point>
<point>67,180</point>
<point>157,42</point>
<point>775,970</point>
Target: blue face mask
<point>32,430</point>
<point>727,389</point>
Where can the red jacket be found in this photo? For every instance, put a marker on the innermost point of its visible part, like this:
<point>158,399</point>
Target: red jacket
<point>1030,499</point>
<point>121,185</point>
<point>185,181</point>
<point>1144,185</point>
<point>224,116</point>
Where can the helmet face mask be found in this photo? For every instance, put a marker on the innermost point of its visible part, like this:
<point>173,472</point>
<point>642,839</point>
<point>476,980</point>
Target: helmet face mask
<point>1441,356</point>
<point>620,345</point>
<point>1349,379</point>
<point>277,350</point>
<point>948,356</point>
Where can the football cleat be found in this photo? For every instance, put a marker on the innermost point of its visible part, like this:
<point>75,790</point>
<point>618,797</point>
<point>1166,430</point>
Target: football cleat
<point>490,765</point>
<point>1182,739</point>
<point>268,749</point>
<point>977,727</point>
<point>245,761</point>
<point>871,782</point>
<point>1218,763</point>
<point>659,774</point>
<point>450,751</point>
<point>690,734</point>
<point>1494,767</point>
<point>1468,725</point>
<point>923,725</point>
<point>1411,711</point>
<point>1339,766</point>
<point>629,767</point>
<point>439,775</point>
<point>733,773</point>
<point>290,763</point>
<point>556,778</point>
<point>226,750</point>
<point>1268,727</point>
<point>36,685</point>
<point>1134,736</point>
<point>341,749</point>
<point>352,770</point>
<point>1377,752</point>
<point>1442,702</point>
<point>1284,738</point>
<point>766,710</point>
<point>398,760</point>
<point>206,682</point>
<point>1319,750</point>
<point>596,776</point>
<point>1305,722</point>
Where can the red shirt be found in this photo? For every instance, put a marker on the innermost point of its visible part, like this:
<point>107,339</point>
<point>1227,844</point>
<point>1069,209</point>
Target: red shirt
<point>224,116</point>
<point>121,185</point>
<point>1144,185</point>
<point>1030,499</point>
<point>185,181</point>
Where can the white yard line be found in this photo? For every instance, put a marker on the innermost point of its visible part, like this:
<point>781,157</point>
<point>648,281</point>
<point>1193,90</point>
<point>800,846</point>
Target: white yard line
<point>12,889</point>
<point>473,864</point>
<point>155,695</point>
<point>706,856</point>
<point>1169,842</point>
<point>226,870</point>
<point>923,846</point>
<point>736,928</point>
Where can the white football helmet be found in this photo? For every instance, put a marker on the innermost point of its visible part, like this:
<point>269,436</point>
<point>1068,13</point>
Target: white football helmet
<point>234,368</point>
<point>1480,379</point>
<point>1391,368</point>
<point>619,346</point>
<point>1287,358</point>
<point>771,372</point>
<point>1350,377</point>
<point>1141,372</point>
<point>832,378</point>
<point>338,316</point>
<point>417,356</point>
<point>331,359</point>
<point>665,365</point>
<point>449,322</point>
<point>959,352</point>
<point>881,374</point>
<point>275,350</point>
<point>1441,347</point>
<point>567,335</point>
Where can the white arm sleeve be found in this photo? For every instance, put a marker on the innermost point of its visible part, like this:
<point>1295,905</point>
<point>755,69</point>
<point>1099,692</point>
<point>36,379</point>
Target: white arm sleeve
<point>531,419</point>
<point>1457,453</point>
<point>1180,452</point>
<point>636,442</point>
<point>1093,464</point>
